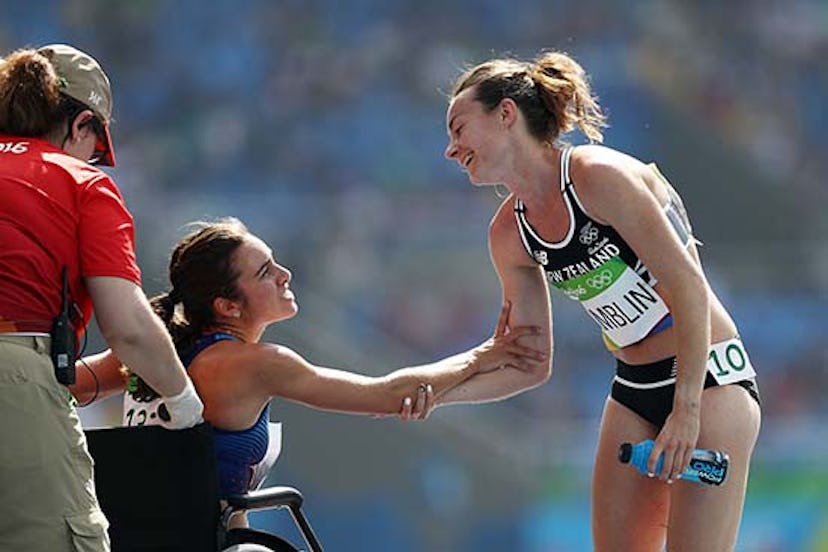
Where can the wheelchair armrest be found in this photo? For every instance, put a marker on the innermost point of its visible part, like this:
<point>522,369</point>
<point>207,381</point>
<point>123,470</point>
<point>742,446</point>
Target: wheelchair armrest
<point>273,497</point>
<point>269,497</point>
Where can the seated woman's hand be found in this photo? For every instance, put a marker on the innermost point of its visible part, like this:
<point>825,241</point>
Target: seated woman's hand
<point>420,407</point>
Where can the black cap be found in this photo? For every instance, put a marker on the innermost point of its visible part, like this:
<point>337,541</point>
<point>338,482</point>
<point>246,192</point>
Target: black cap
<point>625,453</point>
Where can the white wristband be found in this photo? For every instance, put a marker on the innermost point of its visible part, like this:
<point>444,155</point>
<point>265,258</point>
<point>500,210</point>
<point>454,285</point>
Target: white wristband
<point>184,409</point>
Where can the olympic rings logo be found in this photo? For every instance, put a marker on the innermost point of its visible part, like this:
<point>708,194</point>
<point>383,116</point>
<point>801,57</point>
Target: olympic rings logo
<point>588,234</point>
<point>601,280</point>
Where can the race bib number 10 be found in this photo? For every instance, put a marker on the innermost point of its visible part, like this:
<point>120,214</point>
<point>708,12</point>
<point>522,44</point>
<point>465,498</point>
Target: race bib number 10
<point>728,362</point>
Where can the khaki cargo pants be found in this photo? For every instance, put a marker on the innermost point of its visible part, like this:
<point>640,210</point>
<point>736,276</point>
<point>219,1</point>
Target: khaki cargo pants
<point>47,494</point>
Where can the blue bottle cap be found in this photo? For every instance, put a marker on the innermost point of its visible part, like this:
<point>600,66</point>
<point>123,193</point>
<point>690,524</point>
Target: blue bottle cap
<point>625,453</point>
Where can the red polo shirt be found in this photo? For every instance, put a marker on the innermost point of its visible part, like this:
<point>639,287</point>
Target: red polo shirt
<point>56,210</point>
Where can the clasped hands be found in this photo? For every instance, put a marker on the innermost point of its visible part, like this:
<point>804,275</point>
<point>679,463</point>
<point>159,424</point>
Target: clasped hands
<point>500,351</point>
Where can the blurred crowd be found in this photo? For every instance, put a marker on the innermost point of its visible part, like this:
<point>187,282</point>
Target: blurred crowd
<point>321,125</point>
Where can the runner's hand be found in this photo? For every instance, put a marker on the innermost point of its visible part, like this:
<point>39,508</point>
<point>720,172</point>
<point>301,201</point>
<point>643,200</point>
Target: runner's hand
<point>676,440</point>
<point>503,349</point>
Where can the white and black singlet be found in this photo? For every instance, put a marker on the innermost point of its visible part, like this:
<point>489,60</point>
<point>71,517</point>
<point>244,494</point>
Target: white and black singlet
<point>592,264</point>
<point>595,266</point>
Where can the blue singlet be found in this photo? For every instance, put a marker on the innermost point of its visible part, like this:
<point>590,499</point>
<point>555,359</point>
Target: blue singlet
<point>237,452</point>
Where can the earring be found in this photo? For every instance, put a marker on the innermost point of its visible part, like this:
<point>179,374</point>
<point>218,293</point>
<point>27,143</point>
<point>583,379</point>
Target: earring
<point>237,314</point>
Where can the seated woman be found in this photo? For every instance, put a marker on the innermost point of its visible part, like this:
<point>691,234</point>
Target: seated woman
<point>227,288</point>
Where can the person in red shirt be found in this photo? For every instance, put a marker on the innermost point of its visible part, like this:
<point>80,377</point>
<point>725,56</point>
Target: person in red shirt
<point>64,220</point>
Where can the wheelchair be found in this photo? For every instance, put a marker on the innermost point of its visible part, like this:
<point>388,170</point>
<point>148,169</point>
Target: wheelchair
<point>159,491</point>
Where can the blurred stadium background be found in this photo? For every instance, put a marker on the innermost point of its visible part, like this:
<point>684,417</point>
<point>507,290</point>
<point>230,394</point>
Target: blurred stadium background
<point>320,124</point>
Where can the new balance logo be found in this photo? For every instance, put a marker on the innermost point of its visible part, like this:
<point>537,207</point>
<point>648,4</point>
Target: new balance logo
<point>541,257</point>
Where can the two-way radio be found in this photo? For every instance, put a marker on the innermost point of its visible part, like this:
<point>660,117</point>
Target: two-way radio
<point>63,337</point>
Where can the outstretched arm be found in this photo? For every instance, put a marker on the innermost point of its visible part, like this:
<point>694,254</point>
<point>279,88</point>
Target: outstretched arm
<point>525,288</point>
<point>333,389</point>
<point>261,371</point>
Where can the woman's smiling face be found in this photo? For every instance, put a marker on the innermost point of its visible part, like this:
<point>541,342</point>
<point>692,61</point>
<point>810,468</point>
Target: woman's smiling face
<point>476,138</point>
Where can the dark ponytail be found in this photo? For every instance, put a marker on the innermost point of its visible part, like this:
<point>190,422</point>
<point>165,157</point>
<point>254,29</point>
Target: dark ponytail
<point>180,330</point>
<point>164,307</point>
